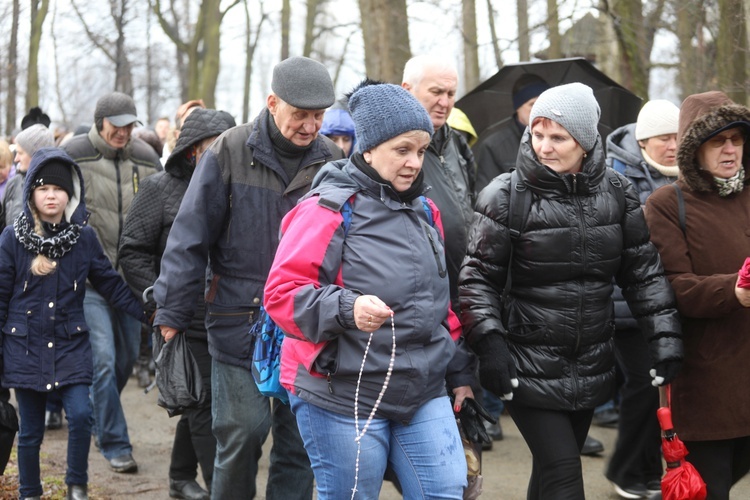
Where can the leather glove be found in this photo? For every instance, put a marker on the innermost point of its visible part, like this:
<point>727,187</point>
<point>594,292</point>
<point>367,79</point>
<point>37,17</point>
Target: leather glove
<point>471,416</point>
<point>497,370</point>
<point>665,372</point>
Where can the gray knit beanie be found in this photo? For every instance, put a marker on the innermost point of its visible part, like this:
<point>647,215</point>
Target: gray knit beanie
<point>574,107</point>
<point>35,137</point>
<point>303,83</point>
<point>381,111</point>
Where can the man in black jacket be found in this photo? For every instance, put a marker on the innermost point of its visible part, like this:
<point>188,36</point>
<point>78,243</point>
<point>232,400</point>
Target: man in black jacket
<point>229,219</point>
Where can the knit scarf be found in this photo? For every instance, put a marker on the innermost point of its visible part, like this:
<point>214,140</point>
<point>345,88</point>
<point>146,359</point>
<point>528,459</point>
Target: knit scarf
<point>54,247</point>
<point>732,185</point>
<point>662,169</point>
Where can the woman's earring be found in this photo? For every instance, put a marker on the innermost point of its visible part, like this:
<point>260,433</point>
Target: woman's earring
<point>585,155</point>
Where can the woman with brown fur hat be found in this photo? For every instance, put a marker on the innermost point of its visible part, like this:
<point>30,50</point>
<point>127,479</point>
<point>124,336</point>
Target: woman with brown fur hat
<point>703,241</point>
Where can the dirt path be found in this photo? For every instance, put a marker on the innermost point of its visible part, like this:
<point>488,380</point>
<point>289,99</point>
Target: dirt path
<point>506,467</point>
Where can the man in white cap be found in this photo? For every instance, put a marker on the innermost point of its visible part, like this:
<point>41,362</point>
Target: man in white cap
<point>113,163</point>
<point>229,219</point>
<point>646,153</point>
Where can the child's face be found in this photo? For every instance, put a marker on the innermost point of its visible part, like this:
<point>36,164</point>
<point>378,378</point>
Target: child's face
<point>50,201</point>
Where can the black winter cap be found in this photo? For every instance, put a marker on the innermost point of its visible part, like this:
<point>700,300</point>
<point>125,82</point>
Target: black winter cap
<point>55,173</point>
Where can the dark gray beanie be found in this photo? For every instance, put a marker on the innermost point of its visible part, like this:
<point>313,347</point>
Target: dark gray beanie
<point>382,111</point>
<point>35,137</point>
<point>574,107</point>
<point>303,83</point>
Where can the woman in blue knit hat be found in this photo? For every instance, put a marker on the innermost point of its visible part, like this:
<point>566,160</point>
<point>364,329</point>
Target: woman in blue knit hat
<point>544,336</point>
<point>360,287</point>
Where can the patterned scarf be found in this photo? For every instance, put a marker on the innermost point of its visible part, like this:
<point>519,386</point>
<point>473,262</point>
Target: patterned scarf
<point>732,185</point>
<point>54,247</point>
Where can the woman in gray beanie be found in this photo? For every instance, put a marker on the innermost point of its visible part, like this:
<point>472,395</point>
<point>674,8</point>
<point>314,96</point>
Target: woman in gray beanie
<point>359,286</point>
<point>544,338</point>
<point>27,142</point>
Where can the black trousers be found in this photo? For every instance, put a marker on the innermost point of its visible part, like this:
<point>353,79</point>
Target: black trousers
<point>637,454</point>
<point>194,442</point>
<point>720,463</point>
<point>555,439</point>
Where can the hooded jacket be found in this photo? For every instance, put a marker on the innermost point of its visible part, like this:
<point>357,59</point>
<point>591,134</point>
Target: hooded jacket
<point>155,206</point>
<point>624,155</point>
<point>112,178</point>
<point>389,250</point>
<point>45,340</point>
<point>710,400</point>
<point>558,319</point>
<point>230,217</point>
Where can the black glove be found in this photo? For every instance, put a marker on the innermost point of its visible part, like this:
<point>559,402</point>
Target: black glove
<point>665,372</point>
<point>497,370</point>
<point>471,416</point>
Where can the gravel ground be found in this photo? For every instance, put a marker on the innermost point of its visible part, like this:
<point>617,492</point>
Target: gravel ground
<point>506,467</point>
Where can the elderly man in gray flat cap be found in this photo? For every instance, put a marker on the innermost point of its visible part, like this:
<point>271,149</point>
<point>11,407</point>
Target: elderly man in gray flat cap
<point>112,163</point>
<point>229,219</point>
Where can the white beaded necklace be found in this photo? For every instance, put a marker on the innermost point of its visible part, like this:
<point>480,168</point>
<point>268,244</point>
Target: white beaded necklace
<point>360,435</point>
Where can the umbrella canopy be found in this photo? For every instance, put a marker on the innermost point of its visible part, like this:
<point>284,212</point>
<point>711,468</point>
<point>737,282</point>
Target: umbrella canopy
<point>491,102</point>
<point>682,481</point>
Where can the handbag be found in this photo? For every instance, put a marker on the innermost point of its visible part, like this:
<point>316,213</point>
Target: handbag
<point>266,365</point>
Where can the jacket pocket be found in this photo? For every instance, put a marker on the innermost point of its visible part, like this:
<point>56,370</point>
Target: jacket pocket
<point>76,325</point>
<point>438,250</point>
<point>16,328</point>
<point>229,329</point>
<point>528,333</point>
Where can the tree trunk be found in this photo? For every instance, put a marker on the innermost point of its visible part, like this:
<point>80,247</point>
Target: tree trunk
<point>285,15</point>
<point>312,14</point>
<point>553,27</point>
<point>211,53</point>
<point>251,44</point>
<point>10,110</point>
<point>731,48</point>
<point>471,47</point>
<point>493,34</point>
<point>694,57</point>
<point>39,10</point>
<point>631,36</point>
<point>385,30</point>
<point>522,13</point>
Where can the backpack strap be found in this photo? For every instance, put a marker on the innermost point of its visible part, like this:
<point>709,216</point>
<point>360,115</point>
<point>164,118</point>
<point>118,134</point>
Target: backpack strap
<point>680,208</point>
<point>519,205</point>
<point>615,187</point>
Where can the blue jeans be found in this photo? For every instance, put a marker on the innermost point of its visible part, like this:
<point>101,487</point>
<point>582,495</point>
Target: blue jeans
<point>115,340</point>
<point>426,454</point>
<point>31,405</point>
<point>242,419</point>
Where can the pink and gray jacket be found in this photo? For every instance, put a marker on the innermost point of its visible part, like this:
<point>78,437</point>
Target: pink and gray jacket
<point>390,250</point>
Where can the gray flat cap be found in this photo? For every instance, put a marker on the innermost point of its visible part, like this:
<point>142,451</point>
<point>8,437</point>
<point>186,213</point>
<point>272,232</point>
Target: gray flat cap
<point>303,83</point>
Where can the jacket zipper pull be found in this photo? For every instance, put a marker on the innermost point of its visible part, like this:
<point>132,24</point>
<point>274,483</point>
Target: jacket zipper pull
<point>25,284</point>
<point>330,386</point>
<point>75,285</point>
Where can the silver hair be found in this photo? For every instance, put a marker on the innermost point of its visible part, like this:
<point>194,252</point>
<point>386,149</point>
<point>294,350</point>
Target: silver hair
<point>415,68</point>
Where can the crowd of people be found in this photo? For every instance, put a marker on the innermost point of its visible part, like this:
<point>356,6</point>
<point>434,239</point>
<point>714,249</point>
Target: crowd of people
<point>416,268</point>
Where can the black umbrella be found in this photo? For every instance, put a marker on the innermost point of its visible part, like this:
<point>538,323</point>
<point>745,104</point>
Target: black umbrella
<point>491,103</point>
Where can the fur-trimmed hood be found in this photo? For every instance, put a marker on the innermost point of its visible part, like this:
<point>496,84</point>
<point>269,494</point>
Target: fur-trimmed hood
<point>701,116</point>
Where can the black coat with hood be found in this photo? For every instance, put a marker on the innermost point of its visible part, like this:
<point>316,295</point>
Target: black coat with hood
<point>45,338</point>
<point>558,319</point>
<point>154,208</point>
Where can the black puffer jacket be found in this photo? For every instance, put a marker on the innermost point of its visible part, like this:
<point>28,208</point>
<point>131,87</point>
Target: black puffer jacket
<point>154,208</point>
<point>559,314</point>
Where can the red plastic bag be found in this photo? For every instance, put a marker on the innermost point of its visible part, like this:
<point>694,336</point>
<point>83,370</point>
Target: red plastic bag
<point>744,281</point>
